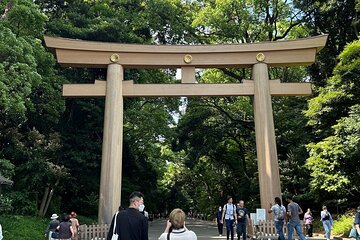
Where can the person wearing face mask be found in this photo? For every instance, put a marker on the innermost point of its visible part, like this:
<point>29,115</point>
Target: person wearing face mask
<point>327,221</point>
<point>142,210</point>
<point>130,224</point>
<point>220,225</point>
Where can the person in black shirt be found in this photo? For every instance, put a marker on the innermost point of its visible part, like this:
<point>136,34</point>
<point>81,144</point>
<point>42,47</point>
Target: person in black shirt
<point>242,220</point>
<point>218,220</point>
<point>130,223</point>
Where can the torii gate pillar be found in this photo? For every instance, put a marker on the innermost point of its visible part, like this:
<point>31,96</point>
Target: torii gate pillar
<point>111,164</point>
<point>269,178</point>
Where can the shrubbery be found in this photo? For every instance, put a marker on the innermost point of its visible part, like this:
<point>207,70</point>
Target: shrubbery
<point>343,224</point>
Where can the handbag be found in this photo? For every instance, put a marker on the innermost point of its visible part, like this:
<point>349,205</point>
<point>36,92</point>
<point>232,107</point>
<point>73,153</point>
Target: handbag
<point>115,236</point>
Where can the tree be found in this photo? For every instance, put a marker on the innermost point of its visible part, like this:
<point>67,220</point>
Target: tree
<point>30,103</point>
<point>338,19</point>
<point>334,115</point>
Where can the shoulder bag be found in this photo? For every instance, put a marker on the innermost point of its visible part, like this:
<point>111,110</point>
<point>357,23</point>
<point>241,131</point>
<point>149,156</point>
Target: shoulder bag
<point>115,236</point>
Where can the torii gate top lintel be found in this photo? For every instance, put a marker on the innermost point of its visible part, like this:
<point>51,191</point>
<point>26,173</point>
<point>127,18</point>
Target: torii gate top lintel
<point>79,53</point>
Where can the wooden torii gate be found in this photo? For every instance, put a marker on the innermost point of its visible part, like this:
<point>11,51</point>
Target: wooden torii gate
<point>115,57</point>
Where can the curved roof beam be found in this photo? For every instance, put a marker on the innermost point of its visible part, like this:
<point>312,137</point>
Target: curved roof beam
<point>79,53</point>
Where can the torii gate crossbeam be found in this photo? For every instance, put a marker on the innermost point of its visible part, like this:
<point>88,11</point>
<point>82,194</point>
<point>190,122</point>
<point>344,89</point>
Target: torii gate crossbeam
<point>115,57</point>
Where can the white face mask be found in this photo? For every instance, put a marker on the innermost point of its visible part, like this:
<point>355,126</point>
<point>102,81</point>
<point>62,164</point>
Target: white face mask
<point>141,207</point>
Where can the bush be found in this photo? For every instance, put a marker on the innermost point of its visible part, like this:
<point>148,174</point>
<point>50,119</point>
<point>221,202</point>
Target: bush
<point>343,225</point>
<point>23,227</point>
<point>5,204</point>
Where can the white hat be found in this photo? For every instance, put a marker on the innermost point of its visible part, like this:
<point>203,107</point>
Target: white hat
<point>54,216</point>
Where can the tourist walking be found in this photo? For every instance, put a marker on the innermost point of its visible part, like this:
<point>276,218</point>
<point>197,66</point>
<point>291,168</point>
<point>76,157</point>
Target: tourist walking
<point>308,219</point>
<point>293,212</point>
<point>279,217</point>
<point>327,221</point>
<point>53,224</point>
<point>130,223</point>
<point>75,225</point>
<point>220,225</point>
<point>229,215</point>
<point>65,229</point>
<point>175,227</point>
<point>242,220</point>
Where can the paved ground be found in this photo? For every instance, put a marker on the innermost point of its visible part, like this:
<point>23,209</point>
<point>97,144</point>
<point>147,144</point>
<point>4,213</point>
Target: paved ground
<point>203,229</point>
<point>206,230</point>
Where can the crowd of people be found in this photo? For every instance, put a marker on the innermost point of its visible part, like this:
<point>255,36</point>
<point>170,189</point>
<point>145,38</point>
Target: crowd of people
<point>66,229</point>
<point>132,223</point>
<point>236,216</point>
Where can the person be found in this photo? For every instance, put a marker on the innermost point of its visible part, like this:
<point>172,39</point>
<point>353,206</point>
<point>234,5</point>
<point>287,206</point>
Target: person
<point>242,220</point>
<point>65,229</point>
<point>175,227</point>
<point>327,221</point>
<point>75,225</point>
<point>130,223</point>
<point>1,235</point>
<point>308,219</point>
<point>220,225</point>
<point>229,215</point>
<point>293,212</point>
<point>357,223</point>
<point>279,216</point>
<point>143,211</point>
<point>53,224</point>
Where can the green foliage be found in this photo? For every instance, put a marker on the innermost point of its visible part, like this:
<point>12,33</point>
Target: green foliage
<point>335,115</point>
<point>6,168</point>
<point>5,204</point>
<point>31,227</point>
<point>30,103</point>
<point>17,75</point>
<point>25,19</point>
<point>343,224</point>
<point>248,21</point>
<point>330,17</point>
<point>333,161</point>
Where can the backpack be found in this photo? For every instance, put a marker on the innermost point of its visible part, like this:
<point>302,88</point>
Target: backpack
<point>282,213</point>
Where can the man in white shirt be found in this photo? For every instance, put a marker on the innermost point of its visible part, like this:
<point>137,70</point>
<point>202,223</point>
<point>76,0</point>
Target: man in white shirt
<point>229,214</point>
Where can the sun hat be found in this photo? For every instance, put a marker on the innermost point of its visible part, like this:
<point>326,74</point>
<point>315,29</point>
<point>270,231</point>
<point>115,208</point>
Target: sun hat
<point>54,216</point>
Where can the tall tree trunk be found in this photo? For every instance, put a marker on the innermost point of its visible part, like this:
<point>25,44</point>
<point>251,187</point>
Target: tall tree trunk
<point>43,202</point>
<point>48,200</point>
